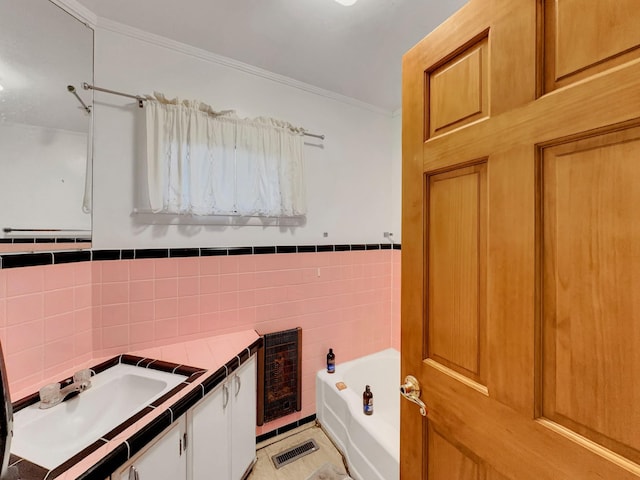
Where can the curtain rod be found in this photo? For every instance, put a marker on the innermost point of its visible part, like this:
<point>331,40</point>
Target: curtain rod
<point>141,101</point>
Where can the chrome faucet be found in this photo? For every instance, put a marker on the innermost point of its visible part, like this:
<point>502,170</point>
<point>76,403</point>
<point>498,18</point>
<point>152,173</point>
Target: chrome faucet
<point>53,394</point>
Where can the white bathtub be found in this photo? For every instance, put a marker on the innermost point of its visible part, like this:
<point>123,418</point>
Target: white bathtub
<point>371,444</point>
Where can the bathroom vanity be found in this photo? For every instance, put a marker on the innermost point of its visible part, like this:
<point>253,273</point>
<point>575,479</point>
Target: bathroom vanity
<point>213,436</point>
<point>204,424</point>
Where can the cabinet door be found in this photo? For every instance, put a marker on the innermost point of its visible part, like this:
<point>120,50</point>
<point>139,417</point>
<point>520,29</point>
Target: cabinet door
<point>243,418</point>
<point>210,436</point>
<point>164,460</point>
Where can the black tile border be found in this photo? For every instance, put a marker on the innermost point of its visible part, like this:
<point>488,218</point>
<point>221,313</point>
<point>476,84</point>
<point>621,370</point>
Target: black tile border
<point>71,257</point>
<point>213,252</point>
<point>264,250</point>
<point>185,403</point>
<point>108,464</point>
<point>128,254</point>
<point>286,428</point>
<point>41,240</point>
<point>78,457</point>
<point>25,402</point>
<point>101,367</point>
<point>162,366</point>
<point>27,260</point>
<point>160,400</point>
<point>232,364</point>
<point>184,252</point>
<point>142,437</point>
<point>143,362</point>
<point>193,376</point>
<point>44,240</point>
<point>28,470</point>
<point>102,255</point>
<point>113,433</point>
<point>188,371</point>
<point>152,253</point>
<point>213,380</point>
<point>33,259</point>
<point>286,249</point>
<point>240,251</point>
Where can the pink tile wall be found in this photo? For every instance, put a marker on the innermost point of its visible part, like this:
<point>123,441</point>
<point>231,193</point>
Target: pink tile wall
<point>45,321</point>
<point>341,300</point>
<point>395,299</point>
<point>55,317</point>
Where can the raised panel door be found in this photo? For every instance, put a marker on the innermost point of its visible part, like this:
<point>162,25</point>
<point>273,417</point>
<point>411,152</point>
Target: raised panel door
<point>521,245</point>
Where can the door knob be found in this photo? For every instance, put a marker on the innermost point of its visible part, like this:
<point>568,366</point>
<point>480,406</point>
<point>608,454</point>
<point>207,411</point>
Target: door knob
<point>410,390</point>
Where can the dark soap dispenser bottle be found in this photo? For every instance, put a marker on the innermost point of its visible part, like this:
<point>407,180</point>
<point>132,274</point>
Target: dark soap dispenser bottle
<point>367,401</point>
<point>331,361</point>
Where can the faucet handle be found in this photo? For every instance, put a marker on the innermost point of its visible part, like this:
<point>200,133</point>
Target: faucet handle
<point>83,377</point>
<point>50,394</point>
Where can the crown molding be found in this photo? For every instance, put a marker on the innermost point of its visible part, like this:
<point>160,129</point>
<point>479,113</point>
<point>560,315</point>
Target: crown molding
<point>132,32</point>
<point>78,10</point>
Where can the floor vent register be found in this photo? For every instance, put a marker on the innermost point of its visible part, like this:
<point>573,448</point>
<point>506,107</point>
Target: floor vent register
<point>294,453</point>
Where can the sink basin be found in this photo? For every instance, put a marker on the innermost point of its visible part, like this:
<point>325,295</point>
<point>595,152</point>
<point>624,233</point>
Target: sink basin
<point>50,437</point>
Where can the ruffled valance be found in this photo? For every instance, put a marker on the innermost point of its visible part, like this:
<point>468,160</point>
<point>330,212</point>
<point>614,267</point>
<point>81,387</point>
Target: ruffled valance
<point>206,162</point>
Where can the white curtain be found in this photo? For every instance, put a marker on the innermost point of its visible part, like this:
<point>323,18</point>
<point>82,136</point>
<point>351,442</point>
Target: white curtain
<point>202,162</point>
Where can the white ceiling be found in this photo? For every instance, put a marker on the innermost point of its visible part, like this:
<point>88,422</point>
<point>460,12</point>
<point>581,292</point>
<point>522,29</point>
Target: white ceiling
<point>354,51</point>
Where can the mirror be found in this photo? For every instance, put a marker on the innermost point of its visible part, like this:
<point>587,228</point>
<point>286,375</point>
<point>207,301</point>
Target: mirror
<point>45,132</point>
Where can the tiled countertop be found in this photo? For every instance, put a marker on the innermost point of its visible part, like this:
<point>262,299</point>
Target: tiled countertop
<point>219,355</point>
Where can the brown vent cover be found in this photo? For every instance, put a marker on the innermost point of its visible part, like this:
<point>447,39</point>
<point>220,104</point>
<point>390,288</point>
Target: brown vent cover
<point>279,375</point>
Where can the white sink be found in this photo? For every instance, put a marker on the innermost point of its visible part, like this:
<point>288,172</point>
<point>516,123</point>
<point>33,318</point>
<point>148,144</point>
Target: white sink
<point>50,437</point>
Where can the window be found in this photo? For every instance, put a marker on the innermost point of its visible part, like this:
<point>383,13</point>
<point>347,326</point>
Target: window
<point>201,162</point>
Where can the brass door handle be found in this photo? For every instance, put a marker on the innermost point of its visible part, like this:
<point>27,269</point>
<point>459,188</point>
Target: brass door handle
<point>410,390</point>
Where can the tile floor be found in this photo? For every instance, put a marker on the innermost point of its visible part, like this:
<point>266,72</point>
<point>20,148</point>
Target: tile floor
<point>302,468</point>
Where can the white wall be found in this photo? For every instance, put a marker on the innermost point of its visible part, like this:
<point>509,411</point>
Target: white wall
<point>396,176</point>
<point>349,176</point>
<point>42,179</point>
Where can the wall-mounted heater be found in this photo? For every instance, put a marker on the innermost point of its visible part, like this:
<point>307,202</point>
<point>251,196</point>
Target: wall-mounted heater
<point>279,375</point>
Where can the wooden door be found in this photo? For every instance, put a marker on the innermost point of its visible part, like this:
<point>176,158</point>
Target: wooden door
<point>521,243</point>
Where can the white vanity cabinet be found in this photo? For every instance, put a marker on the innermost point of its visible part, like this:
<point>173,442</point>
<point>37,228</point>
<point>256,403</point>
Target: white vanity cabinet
<point>214,440</point>
<point>164,459</point>
<point>222,428</point>
<point>243,419</point>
